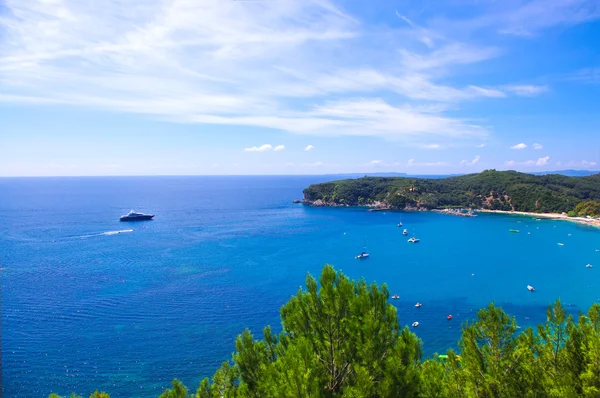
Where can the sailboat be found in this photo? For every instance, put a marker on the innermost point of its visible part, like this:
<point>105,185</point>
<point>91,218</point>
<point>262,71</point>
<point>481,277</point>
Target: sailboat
<point>364,253</point>
<point>400,224</point>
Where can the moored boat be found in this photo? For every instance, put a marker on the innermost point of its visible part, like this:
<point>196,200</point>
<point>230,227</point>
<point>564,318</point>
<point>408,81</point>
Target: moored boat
<point>405,232</point>
<point>530,288</point>
<point>418,305</point>
<point>413,240</point>
<point>415,324</point>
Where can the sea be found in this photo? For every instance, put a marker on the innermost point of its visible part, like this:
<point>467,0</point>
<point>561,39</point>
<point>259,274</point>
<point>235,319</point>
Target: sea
<point>88,302</point>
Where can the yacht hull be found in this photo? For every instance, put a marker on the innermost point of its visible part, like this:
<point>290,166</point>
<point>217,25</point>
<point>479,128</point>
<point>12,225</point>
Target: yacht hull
<point>137,218</point>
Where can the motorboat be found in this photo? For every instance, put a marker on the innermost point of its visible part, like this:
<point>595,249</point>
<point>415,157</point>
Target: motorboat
<point>400,224</point>
<point>560,244</point>
<point>530,288</point>
<point>588,266</point>
<point>413,240</point>
<point>415,324</point>
<point>405,232</point>
<point>449,317</point>
<point>396,296</point>
<point>418,305</point>
<point>363,254</point>
<point>135,216</point>
<point>514,230</point>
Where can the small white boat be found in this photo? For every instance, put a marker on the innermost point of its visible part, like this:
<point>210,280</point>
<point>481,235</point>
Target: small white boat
<point>418,305</point>
<point>413,240</point>
<point>415,324</point>
<point>400,224</point>
<point>530,288</point>
<point>588,266</point>
<point>363,254</point>
<point>560,244</point>
<point>405,232</point>
<point>396,296</point>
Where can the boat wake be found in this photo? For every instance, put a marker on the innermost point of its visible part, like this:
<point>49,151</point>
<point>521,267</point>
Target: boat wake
<point>107,233</point>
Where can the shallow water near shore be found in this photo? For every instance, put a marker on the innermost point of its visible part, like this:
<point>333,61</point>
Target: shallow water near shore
<point>91,303</point>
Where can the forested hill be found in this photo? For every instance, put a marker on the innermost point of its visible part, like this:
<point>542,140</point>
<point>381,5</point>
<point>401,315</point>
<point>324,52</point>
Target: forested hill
<point>490,189</point>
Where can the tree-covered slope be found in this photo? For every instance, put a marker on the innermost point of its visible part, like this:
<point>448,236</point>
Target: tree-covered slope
<point>490,189</point>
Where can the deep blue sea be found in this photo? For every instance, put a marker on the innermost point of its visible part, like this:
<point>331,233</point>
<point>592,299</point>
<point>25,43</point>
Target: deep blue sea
<point>85,308</point>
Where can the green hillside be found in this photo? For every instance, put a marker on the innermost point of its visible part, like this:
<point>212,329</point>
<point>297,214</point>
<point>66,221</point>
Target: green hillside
<point>490,189</point>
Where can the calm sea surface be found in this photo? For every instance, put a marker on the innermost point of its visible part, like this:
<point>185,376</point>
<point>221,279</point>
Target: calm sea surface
<point>85,307</point>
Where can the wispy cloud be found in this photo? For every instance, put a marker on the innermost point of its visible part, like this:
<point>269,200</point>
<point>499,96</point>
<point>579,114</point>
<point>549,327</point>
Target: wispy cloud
<point>413,163</point>
<point>480,145</point>
<point>268,64</point>
<point>309,148</point>
<point>473,162</point>
<point>540,162</point>
<point>265,148</point>
<point>537,146</point>
<point>581,163</point>
<point>519,146</point>
<point>432,146</point>
<point>527,90</point>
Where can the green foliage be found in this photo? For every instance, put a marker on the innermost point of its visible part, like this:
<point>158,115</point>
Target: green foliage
<point>490,189</point>
<point>588,208</point>
<point>341,338</point>
<point>99,394</point>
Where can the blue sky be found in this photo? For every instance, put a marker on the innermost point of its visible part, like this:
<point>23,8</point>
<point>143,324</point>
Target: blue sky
<point>153,87</point>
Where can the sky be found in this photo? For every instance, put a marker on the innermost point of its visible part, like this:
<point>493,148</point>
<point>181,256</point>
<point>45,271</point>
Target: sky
<point>196,87</point>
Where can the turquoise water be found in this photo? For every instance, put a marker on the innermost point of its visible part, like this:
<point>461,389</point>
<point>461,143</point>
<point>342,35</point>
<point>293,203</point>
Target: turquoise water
<point>84,307</point>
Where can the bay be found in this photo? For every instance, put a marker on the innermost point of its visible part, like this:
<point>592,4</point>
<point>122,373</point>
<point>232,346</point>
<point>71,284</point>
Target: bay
<point>89,302</point>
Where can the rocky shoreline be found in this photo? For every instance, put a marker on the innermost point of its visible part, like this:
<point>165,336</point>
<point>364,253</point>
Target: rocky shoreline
<point>381,206</point>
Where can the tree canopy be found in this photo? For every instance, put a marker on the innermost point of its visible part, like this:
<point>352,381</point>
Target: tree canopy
<point>490,189</point>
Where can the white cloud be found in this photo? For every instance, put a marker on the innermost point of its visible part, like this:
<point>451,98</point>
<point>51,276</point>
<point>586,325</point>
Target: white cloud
<point>472,162</point>
<point>432,146</point>
<point>262,148</point>
<point>413,162</point>
<point>309,148</point>
<point>519,146</point>
<point>243,63</point>
<point>527,90</point>
<point>321,164</point>
<point>537,146</point>
<point>542,161</point>
<point>581,163</point>
<point>480,145</point>
<point>265,148</point>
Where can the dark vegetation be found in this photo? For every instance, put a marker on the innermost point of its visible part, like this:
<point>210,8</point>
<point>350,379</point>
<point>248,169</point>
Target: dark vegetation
<point>342,338</point>
<point>490,189</point>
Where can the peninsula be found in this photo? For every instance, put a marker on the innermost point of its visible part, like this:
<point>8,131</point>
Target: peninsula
<point>508,191</point>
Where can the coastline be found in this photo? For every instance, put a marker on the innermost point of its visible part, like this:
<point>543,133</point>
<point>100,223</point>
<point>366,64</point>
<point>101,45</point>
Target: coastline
<point>551,216</point>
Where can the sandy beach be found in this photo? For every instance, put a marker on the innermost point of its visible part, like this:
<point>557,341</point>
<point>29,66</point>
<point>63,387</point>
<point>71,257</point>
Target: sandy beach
<point>592,222</point>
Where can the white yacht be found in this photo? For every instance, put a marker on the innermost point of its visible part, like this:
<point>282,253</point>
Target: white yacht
<point>415,324</point>
<point>530,288</point>
<point>363,254</point>
<point>405,232</point>
<point>588,266</point>
<point>418,305</point>
<point>134,216</point>
<point>413,240</point>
